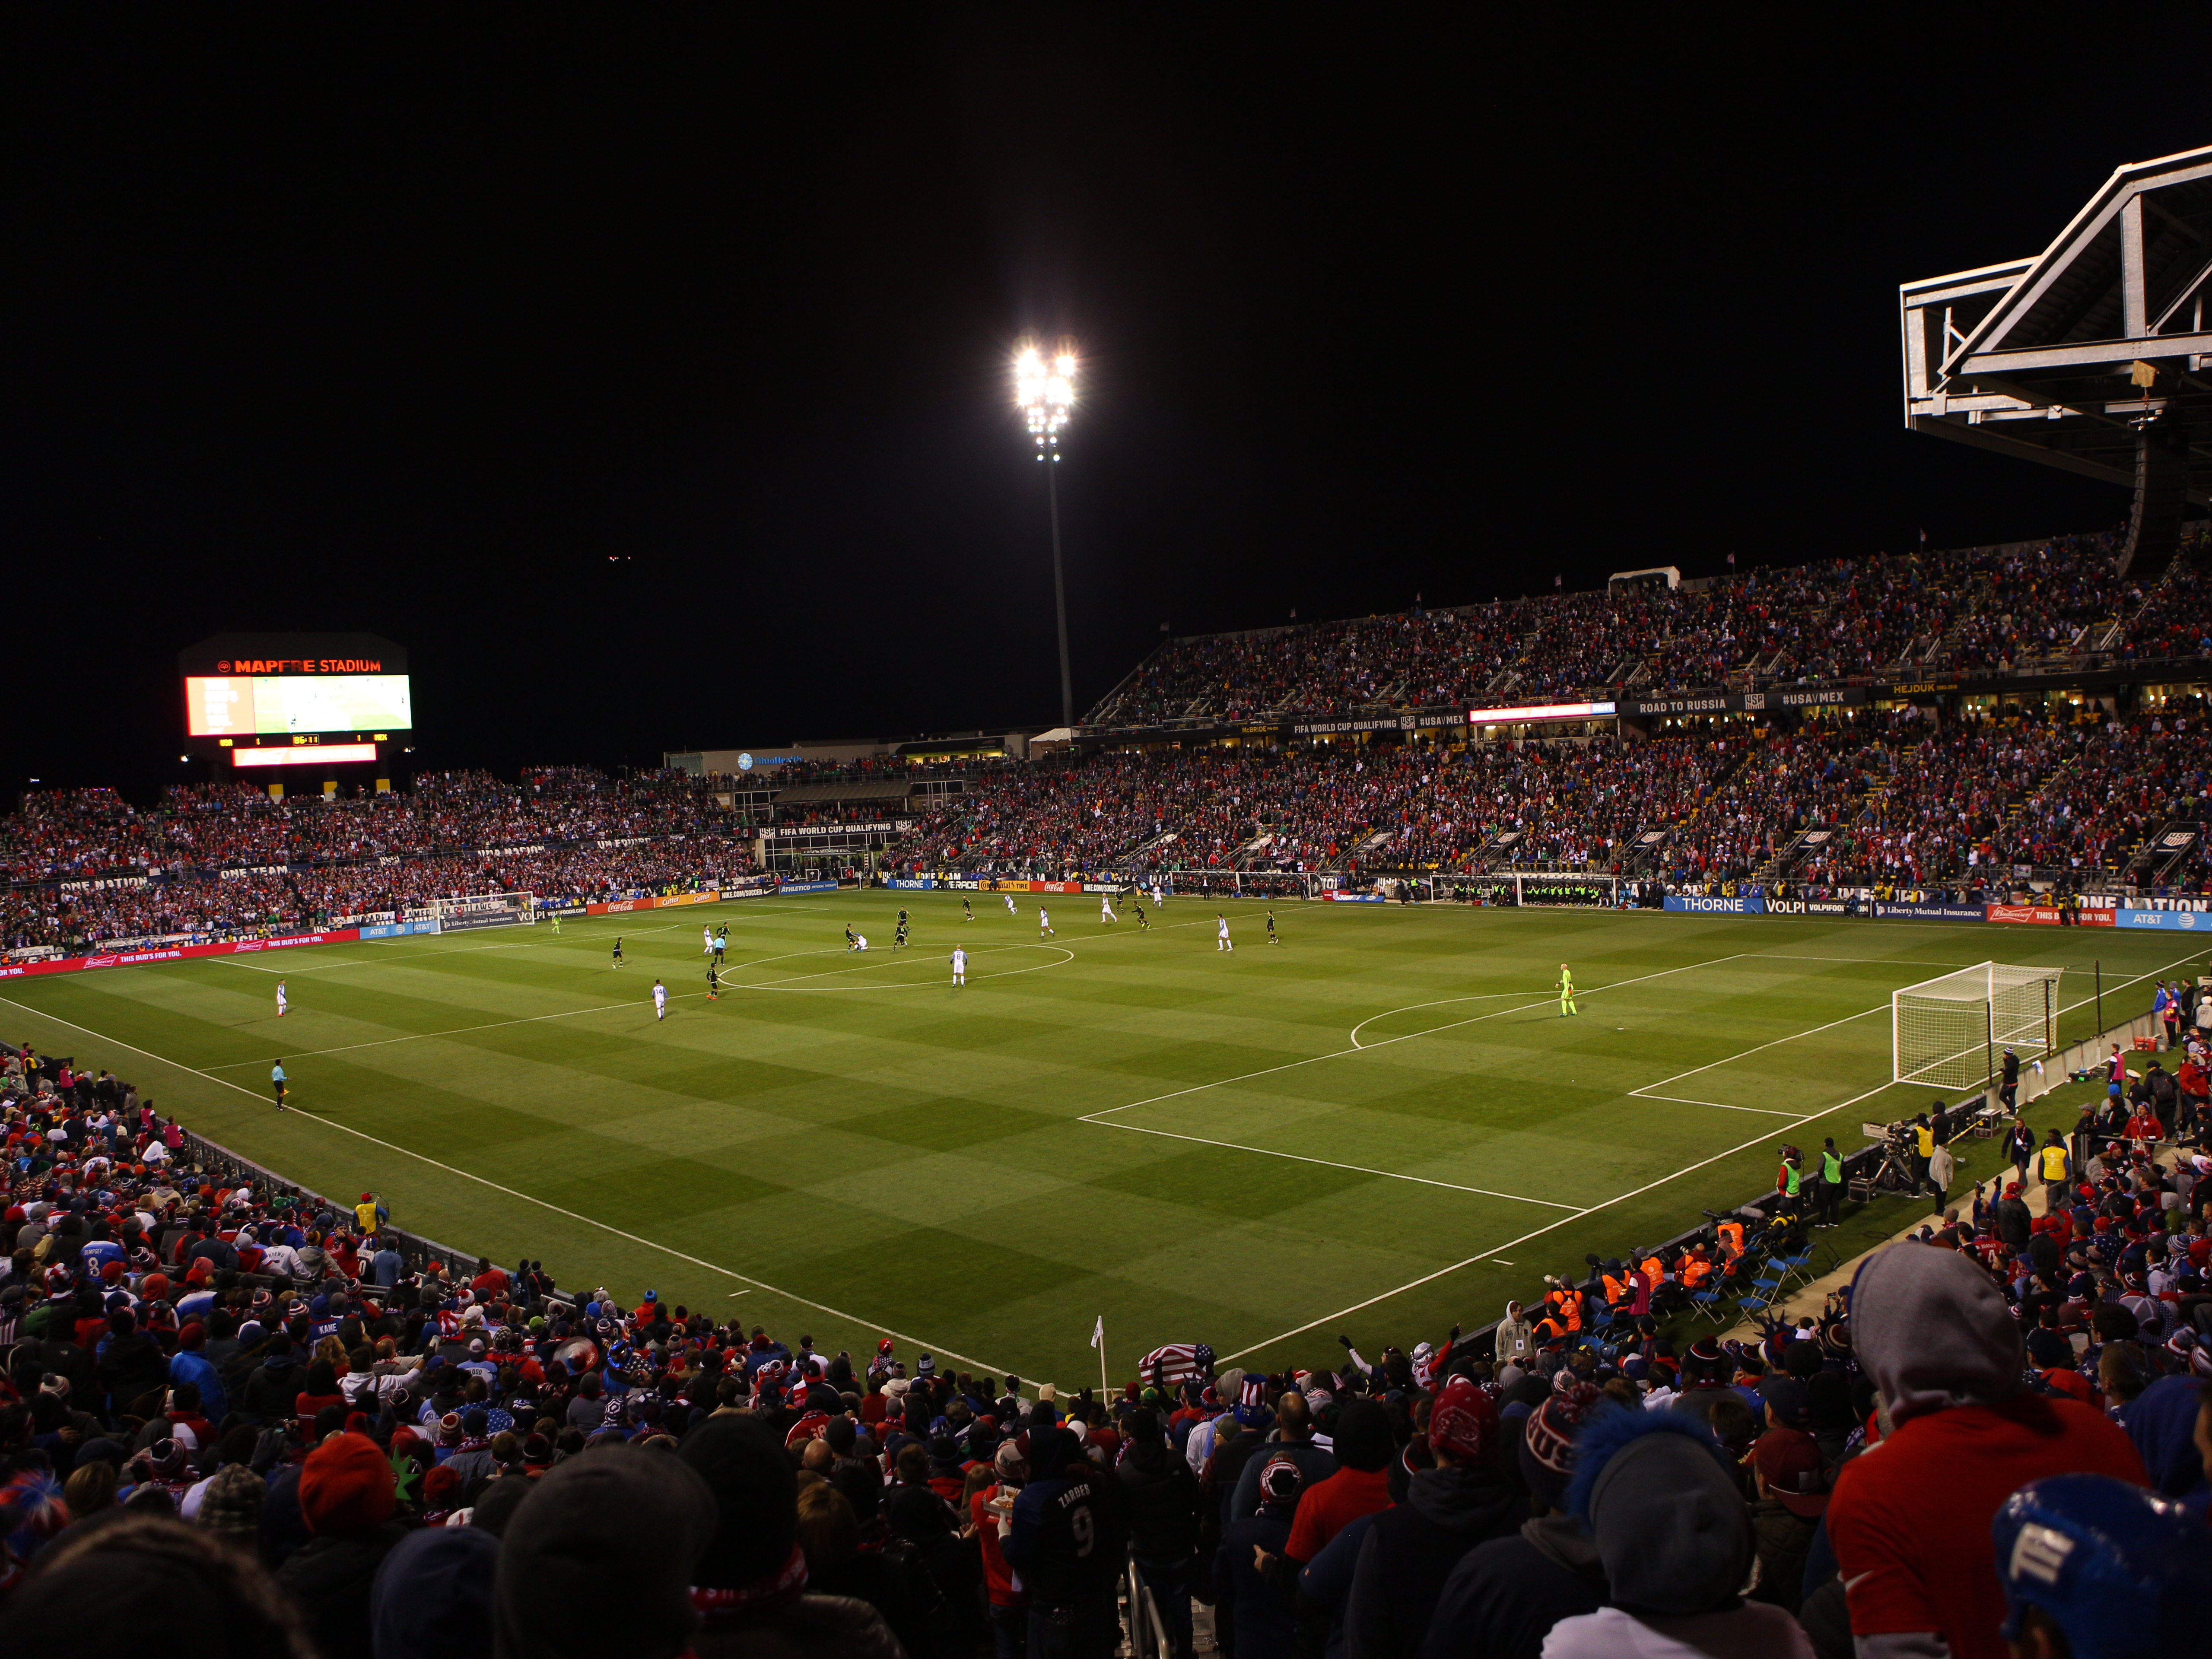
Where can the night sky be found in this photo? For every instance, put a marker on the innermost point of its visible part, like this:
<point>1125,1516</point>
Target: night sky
<point>648,380</point>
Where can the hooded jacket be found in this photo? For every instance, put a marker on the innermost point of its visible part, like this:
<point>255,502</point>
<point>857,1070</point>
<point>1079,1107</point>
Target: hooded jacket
<point>1162,1498</point>
<point>2162,1423</point>
<point>1257,1616</point>
<point>1503,1597</point>
<point>1411,1550</point>
<point>1676,1537</point>
<point>1516,1335</point>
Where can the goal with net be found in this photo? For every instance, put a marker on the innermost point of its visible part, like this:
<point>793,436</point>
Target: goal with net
<point>1947,1032</point>
<point>480,910</point>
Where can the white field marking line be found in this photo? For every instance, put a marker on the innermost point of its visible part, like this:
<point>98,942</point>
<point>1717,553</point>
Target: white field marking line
<point>1549,1227</point>
<point>1718,1105</point>
<point>572,1215</point>
<point>1358,1168</point>
<point>1729,1059</point>
<point>1486,996</point>
<point>1895,961</point>
<point>1100,1115</point>
<point>792,984</point>
<point>1491,1255</point>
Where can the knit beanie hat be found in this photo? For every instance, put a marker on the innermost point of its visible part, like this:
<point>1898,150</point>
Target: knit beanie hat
<point>1464,1422</point>
<point>345,1486</point>
<point>231,1505</point>
<point>619,1513</point>
<point>1671,1525</point>
<point>756,1493</point>
<point>1547,1441</point>
<point>1362,1436</point>
<point>431,1598</point>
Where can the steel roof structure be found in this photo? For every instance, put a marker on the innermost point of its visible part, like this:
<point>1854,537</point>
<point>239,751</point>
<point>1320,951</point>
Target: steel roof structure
<point>2092,355</point>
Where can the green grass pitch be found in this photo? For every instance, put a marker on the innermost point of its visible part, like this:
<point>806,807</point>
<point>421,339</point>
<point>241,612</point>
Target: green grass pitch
<point>1380,1127</point>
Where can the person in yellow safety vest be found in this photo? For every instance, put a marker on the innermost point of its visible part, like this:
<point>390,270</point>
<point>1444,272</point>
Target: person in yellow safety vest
<point>1788,1179</point>
<point>1829,1198</point>
<point>2050,1161</point>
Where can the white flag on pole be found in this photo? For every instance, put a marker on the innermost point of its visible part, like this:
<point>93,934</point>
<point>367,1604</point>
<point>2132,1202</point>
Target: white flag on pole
<point>1098,1331</point>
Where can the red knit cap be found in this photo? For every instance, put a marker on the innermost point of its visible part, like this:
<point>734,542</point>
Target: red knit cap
<point>1463,1421</point>
<point>345,1486</point>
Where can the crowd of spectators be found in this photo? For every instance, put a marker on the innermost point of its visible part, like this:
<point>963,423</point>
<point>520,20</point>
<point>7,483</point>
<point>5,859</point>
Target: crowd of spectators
<point>238,1415</point>
<point>84,866</point>
<point>1891,799</point>
<point>1896,799</point>
<point>1975,611</point>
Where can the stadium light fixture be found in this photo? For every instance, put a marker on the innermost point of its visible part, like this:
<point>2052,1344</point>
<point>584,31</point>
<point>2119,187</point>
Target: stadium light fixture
<point>1044,392</point>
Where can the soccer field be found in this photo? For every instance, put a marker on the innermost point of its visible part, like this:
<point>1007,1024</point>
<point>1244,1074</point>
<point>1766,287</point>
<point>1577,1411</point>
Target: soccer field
<point>1380,1127</point>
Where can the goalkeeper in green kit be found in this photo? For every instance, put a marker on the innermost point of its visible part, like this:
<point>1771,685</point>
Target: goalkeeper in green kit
<point>1567,992</point>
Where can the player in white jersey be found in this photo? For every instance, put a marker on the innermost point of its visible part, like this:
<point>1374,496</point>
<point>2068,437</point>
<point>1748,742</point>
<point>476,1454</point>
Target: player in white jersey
<point>1009,898</point>
<point>1221,932</point>
<point>859,941</point>
<point>660,1000</point>
<point>1044,922</point>
<point>1159,897</point>
<point>280,998</point>
<point>706,941</point>
<point>960,966</point>
<point>1106,907</point>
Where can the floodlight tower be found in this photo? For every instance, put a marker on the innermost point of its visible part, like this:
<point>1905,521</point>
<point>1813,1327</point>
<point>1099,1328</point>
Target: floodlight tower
<point>1044,391</point>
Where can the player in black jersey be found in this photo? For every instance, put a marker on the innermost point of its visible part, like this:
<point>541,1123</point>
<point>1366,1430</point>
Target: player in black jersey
<point>898,936</point>
<point>714,984</point>
<point>1143,927</point>
<point>617,950</point>
<point>967,910</point>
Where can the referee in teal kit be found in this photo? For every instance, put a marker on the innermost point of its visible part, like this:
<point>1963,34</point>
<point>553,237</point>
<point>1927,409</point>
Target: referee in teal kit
<point>277,1081</point>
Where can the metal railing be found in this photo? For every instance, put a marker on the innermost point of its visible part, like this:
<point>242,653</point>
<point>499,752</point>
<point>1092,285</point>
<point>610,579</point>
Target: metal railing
<point>214,1161</point>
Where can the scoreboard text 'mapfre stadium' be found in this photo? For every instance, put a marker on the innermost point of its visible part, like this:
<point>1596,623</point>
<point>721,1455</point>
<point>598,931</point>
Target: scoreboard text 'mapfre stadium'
<point>278,699</point>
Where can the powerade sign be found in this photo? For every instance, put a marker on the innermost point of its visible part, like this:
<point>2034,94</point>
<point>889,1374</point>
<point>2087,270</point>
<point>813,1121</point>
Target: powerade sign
<point>1717,907</point>
<point>1933,912</point>
<point>2183,921</point>
<point>399,929</point>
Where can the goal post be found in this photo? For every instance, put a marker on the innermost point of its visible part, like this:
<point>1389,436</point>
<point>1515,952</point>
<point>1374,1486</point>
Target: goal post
<point>483,910</point>
<point>1947,1032</point>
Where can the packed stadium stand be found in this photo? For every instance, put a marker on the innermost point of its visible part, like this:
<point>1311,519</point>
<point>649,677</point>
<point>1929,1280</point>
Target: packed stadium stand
<point>204,1363</point>
<point>282,1416</point>
<point>2053,729</point>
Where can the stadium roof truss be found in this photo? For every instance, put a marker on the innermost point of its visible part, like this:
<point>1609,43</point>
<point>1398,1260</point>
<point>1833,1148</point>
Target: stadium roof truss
<point>2090,352</point>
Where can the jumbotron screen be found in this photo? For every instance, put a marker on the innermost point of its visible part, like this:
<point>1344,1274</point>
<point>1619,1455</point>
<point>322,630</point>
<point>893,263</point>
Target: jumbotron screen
<point>223,706</point>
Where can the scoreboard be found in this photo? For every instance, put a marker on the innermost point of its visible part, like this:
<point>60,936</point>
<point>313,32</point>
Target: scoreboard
<point>296,699</point>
